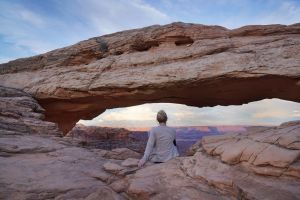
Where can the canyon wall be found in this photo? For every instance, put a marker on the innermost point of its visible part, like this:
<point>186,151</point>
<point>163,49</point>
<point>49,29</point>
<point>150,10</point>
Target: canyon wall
<point>107,138</point>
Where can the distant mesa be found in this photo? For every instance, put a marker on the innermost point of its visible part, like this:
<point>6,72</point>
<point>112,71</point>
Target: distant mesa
<point>135,138</point>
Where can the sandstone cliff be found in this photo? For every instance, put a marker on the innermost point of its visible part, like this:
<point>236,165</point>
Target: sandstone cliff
<point>106,138</point>
<point>20,114</point>
<point>98,133</point>
<point>181,63</point>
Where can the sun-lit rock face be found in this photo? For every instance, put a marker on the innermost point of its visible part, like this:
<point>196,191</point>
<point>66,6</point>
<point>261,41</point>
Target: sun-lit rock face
<point>178,63</point>
<point>271,151</point>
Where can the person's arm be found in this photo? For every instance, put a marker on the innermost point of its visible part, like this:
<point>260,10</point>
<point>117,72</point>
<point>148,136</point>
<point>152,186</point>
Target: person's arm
<point>174,141</point>
<point>149,148</point>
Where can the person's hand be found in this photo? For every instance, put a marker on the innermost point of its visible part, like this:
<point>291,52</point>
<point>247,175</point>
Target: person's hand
<point>141,163</point>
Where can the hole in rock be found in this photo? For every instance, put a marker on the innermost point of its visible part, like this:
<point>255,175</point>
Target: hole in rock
<point>184,41</point>
<point>118,53</point>
<point>144,45</point>
<point>129,126</point>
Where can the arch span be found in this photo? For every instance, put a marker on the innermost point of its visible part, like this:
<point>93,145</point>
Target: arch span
<point>190,64</point>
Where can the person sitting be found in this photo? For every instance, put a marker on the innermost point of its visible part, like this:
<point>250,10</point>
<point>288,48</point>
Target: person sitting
<point>161,144</point>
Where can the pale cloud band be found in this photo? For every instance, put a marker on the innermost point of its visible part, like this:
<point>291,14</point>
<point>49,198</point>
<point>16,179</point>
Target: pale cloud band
<point>264,112</point>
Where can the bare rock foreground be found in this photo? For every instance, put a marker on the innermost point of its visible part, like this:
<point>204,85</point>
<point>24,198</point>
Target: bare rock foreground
<point>35,163</point>
<point>181,63</point>
<point>191,64</point>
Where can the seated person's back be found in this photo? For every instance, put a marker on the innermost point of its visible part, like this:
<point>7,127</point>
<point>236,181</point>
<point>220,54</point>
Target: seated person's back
<point>161,144</point>
<point>164,148</point>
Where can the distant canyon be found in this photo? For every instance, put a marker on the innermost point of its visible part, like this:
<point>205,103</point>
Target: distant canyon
<point>135,138</point>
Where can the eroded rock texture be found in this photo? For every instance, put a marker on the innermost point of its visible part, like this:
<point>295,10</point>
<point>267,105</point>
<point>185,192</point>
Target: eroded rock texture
<point>181,63</point>
<point>255,165</point>
<point>274,151</point>
<point>21,114</point>
<point>262,163</point>
<point>106,138</point>
<point>37,163</point>
<point>47,167</point>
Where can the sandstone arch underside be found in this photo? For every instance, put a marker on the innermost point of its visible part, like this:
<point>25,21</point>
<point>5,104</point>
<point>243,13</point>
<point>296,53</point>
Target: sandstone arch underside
<point>191,64</point>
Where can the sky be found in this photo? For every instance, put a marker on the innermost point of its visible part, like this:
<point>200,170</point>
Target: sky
<point>31,27</point>
<point>267,112</point>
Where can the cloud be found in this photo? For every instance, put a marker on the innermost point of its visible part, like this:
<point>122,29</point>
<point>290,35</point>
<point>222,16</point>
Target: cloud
<point>111,16</point>
<point>32,28</point>
<point>19,29</point>
<point>264,112</point>
<point>233,13</point>
<point>270,114</point>
<point>288,12</point>
<point>5,59</point>
<point>30,17</point>
<point>269,12</point>
<point>135,113</point>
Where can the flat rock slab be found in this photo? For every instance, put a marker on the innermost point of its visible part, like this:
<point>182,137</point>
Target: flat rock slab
<point>121,154</point>
<point>270,151</point>
<point>112,167</point>
<point>42,168</point>
<point>130,162</point>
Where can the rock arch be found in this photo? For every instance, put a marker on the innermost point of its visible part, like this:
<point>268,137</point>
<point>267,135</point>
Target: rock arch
<point>190,64</point>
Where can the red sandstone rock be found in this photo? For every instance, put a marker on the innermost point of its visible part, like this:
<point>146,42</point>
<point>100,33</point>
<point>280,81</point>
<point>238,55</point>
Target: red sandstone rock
<point>130,162</point>
<point>260,164</point>
<point>121,154</point>
<point>112,167</point>
<point>262,150</point>
<point>169,63</point>
<point>55,167</point>
<point>21,114</point>
<point>98,133</point>
<point>106,138</point>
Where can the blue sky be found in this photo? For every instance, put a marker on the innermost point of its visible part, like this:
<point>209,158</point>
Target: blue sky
<point>30,27</point>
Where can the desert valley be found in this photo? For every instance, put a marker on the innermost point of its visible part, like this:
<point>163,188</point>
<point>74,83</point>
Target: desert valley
<point>135,138</point>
